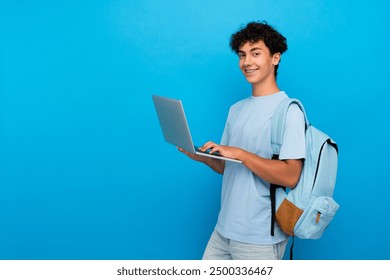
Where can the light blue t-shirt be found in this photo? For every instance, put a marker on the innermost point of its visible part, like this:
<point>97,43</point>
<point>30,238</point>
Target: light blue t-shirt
<point>245,214</point>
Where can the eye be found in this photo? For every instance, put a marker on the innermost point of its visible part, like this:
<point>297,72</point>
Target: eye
<point>256,54</point>
<point>241,55</point>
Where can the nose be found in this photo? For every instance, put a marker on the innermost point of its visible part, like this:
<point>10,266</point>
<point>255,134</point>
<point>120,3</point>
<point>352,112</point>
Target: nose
<point>247,60</point>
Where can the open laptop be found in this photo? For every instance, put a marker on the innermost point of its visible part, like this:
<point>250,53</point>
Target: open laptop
<point>175,128</point>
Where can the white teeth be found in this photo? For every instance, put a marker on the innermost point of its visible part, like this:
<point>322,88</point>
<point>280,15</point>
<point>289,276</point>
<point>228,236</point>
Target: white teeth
<point>250,70</point>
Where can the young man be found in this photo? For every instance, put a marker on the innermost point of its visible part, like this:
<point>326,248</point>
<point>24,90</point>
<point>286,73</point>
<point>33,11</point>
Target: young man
<point>244,221</point>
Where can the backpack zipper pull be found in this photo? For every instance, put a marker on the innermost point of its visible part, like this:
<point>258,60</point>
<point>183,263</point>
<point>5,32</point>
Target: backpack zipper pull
<point>318,217</point>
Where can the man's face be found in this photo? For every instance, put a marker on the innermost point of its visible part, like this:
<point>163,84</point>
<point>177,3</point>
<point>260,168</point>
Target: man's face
<point>256,62</point>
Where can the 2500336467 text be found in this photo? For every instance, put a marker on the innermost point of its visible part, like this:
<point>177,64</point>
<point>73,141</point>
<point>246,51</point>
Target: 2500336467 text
<point>223,270</point>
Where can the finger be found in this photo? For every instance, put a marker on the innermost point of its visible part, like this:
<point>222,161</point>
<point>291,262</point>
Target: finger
<point>183,151</point>
<point>208,145</point>
<point>216,149</point>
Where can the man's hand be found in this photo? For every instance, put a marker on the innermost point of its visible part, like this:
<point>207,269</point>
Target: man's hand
<point>226,151</point>
<point>192,156</point>
<point>216,164</point>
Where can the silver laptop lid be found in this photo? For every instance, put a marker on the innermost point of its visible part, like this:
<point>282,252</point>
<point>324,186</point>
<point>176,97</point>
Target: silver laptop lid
<point>173,122</point>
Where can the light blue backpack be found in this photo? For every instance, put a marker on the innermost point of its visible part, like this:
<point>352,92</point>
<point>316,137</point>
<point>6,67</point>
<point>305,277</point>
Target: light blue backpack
<point>306,210</point>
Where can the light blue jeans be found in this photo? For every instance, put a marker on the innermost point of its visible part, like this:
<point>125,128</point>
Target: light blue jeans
<point>221,248</point>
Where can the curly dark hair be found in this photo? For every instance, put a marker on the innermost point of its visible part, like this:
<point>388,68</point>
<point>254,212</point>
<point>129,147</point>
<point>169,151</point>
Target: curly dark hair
<point>256,31</point>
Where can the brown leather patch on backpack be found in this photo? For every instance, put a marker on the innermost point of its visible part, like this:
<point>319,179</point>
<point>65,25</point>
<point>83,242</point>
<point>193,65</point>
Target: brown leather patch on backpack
<point>287,216</point>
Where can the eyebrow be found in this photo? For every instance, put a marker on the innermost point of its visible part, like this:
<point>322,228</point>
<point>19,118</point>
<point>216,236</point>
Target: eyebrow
<point>251,50</point>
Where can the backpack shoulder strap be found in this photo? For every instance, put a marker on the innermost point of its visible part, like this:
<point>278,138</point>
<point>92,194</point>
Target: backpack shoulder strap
<point>279,120</point>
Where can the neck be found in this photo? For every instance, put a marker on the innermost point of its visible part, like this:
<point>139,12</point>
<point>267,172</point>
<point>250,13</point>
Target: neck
<point>263,90</point>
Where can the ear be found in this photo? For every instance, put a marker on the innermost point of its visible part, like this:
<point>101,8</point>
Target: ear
<point>276,58</point>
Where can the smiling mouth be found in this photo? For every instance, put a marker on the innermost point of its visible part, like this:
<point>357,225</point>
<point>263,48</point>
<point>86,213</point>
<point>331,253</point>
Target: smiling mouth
<point>250,70</point>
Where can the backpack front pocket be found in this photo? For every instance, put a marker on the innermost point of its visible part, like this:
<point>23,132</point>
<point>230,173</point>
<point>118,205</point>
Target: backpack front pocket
<point>315,220</point>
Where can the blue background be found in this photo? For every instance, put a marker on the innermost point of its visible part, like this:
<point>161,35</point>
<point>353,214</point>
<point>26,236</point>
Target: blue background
<point>84,170</point>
